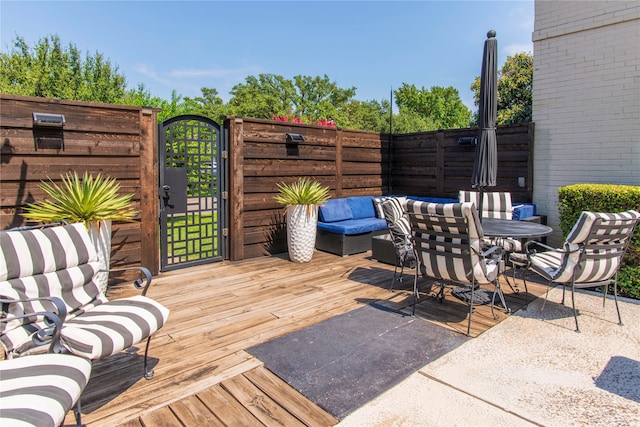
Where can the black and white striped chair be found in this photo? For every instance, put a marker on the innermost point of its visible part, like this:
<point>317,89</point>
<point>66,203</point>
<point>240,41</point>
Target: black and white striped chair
<point>400,232</point>
<point>591,255</point>
<point>448,244</point>
<point>40,389</point>
<point>61,261</point>
<point>495,204</point>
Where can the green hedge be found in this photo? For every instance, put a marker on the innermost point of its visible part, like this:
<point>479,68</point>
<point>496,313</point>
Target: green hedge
<point>573,199</point>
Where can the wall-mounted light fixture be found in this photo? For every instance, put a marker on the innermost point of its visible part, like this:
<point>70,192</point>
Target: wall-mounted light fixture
<point>294,138</point>
<point>48,120</point>
<point>467,140</point>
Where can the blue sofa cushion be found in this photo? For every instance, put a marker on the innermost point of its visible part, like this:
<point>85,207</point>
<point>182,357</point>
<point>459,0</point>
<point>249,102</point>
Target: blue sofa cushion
<point>361,207</point>
<point>353,226</point>
<point>335,210</point>
<point>523,210</point>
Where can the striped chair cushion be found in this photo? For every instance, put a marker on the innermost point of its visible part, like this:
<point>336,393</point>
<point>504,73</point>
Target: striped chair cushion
<point>62,262</point>
<point>55,261</point>
<point>399,228</point>
<point>448,241</point>
<point>39,390</point>
<point>111,327</point>
<point>30,252</point>
<point>494,204</point>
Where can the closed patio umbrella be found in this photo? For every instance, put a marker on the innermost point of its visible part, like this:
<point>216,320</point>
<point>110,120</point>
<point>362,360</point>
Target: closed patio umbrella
<point>485,166</point>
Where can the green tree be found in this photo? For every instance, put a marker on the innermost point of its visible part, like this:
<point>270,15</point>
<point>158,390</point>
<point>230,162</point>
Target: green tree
<point>440,107</point>
<point>305,97</point>
<point>52,71</point>
<point>515,80</point>
<point>208,105</point>
<point>318,98</point>
<point>262,97</point>
<point>367,115</point>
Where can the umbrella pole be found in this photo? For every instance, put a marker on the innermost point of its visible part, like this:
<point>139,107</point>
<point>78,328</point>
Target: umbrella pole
<point>481,203</point>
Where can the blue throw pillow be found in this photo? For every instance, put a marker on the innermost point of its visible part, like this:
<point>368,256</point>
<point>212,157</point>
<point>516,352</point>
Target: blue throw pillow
<point>335,210</point>
<point>362,207</point>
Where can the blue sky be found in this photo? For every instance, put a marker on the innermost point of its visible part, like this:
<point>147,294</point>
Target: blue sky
<point>372,45</point>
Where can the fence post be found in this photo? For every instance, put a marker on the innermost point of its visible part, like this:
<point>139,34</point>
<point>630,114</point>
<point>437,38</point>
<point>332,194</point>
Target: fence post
<point>149,200</point>
<point>236,188</point>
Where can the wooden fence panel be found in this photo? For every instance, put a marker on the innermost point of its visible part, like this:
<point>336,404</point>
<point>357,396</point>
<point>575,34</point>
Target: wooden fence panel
<point>353,163</point>
<point>117,141</point>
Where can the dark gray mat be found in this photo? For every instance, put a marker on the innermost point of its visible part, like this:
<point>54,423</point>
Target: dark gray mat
<point>344,362</point>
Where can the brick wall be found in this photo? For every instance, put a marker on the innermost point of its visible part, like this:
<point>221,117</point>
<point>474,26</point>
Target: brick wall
<point>586,97</point>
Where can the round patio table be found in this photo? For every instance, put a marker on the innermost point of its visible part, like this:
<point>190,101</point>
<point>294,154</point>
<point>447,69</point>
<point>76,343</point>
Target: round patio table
<point>495,227</point>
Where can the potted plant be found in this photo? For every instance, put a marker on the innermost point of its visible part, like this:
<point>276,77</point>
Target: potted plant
<point>94,201</point>
<point>302,199</point>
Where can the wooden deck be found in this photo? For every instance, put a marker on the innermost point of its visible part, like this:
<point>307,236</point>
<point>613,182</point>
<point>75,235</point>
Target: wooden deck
<point>204,376</point>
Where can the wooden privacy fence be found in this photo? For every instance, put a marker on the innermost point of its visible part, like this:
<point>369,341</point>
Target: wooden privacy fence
<point>353,163</point>
<point>117,141</point>
<point>122,142</point>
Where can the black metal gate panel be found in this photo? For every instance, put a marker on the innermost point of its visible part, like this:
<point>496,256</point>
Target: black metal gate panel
<point>192,192</point>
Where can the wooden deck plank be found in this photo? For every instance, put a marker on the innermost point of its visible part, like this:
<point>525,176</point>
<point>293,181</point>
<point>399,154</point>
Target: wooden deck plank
<point>193,413</point>
<point>298,405</point>
<point>262,406</point>
<point>220,310</point>
<point>163,417</point>
<point>227,408</point>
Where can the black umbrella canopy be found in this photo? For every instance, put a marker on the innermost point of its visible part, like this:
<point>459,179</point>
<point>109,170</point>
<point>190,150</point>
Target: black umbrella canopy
<point>485,166</point>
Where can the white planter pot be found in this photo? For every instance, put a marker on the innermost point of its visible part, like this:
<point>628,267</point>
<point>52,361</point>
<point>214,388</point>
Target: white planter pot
<point>100,234</point>
<point>302,221</point>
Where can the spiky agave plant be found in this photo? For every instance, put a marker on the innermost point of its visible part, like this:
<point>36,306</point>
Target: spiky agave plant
<point>83,199</point>
<point>302,192</point>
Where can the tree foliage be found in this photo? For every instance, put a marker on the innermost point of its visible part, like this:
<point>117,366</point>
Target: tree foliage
<point>53,71</point>
<point>515,80</point>
<point>439,108</point>
<point>50,70</point>
<point>306,97</point>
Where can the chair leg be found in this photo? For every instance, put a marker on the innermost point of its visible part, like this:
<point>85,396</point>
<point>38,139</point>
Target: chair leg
<point>148,373</point>
<point>615,298</point>
<point>573,303</point>
<point>415,286</point>
<point>77,413</point>
<point>546,295</point>
<point>395,273</point>
<point>473,287</point>
<point>498,290</point>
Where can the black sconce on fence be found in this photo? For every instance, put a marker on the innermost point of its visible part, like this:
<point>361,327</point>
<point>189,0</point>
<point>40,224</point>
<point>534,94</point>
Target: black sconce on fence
<point>48,120</point>
<point>47,131</point>
<point>468,140</point>
<point>294,138</point>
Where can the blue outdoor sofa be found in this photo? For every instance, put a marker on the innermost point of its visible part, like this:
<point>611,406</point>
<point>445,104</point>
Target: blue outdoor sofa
<point>346,225</point>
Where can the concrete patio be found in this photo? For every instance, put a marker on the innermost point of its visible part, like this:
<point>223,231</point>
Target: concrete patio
<point>530,369</point>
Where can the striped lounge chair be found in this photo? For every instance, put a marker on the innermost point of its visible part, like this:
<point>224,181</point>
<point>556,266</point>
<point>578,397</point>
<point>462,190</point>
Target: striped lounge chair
<point>590,257</point>
<point>41,266</point>
<point>447,240</point>
<point>40,389</point>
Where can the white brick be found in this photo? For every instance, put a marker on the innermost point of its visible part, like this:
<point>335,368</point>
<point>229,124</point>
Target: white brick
<point>586,97</point>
